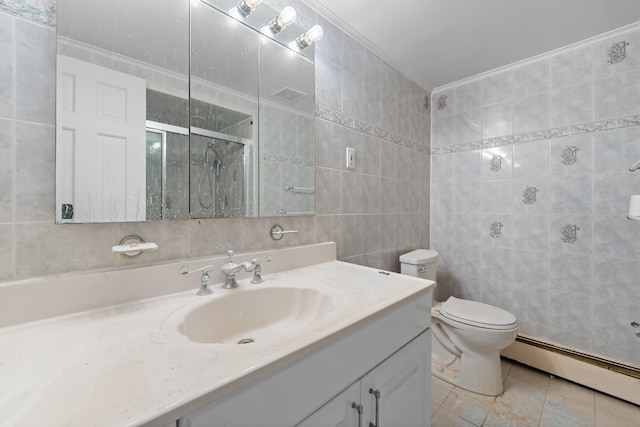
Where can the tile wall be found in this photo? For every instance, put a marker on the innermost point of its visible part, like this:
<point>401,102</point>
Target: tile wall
<point>530,191</point>
<point>379,209</point>
<point>374,213</point>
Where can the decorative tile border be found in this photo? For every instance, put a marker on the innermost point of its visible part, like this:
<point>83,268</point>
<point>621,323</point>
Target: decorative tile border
<point>287,159</point>
<point>588,127</point>
<point>329,114</point>
<point>40,11</point>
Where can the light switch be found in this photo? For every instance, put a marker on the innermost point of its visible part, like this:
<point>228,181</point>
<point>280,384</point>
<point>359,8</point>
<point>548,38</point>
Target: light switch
<point>351,158</point>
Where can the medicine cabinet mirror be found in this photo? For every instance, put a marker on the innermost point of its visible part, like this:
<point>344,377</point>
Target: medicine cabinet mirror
<point>162,119</point>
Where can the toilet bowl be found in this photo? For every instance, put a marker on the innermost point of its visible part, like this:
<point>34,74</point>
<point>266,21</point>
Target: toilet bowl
<point>467,336</point>
<point>467,339</point>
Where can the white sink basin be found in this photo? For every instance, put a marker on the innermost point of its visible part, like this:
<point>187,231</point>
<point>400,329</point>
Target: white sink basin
<point>247,316</point>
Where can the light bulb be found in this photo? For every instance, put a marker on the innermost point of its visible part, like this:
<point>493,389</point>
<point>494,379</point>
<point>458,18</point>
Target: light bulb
<point>314,34</point>
<point>245,7</point>
<point>286,17</point>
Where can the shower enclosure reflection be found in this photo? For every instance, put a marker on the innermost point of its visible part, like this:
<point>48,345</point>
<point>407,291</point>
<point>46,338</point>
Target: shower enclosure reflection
<point>224,115</point>
<point>217,178</point>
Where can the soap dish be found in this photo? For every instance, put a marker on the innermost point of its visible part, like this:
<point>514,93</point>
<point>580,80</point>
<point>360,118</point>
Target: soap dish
<point>133,245</point>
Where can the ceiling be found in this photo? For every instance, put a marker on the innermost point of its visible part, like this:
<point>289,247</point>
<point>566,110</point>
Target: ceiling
<point>436,42</point>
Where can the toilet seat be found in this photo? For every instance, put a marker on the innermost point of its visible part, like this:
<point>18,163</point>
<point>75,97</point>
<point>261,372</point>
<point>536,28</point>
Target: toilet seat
<point>477,314</point>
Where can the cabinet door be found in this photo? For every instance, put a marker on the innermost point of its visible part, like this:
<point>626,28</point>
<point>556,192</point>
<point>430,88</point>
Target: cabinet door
<point>404,385</point>
<point>339,412</point>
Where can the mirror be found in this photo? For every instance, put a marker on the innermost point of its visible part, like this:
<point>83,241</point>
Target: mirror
<point>286,131</point>
<point>224,115</point>
<point>122,110</point>
<point>154,126</point>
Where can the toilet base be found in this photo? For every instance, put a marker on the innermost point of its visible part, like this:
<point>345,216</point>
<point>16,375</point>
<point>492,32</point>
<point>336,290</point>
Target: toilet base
<point>478,373</point>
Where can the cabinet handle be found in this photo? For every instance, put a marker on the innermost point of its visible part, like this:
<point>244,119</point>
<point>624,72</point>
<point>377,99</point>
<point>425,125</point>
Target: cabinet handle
<point>376,393</point>
<point>359,410</point>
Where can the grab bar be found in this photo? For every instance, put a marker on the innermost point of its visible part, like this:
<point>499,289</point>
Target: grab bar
<point>288,187</point>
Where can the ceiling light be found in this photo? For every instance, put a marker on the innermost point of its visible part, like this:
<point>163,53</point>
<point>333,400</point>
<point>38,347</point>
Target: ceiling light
<point>245,7</point>
<point>314,34</point>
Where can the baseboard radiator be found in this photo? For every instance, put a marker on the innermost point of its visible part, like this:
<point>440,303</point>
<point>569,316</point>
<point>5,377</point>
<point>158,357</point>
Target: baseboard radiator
<point>610,377</point>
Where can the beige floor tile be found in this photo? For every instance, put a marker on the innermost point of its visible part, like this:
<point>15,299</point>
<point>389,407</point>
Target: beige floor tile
<point>434,407</point>
<point>506,419</point>
<point>556,420</point>
<point>465,405</point>
<point>439,391</point>
<point>488,400</point>
<point>617,407</point>
<point>444,418</point>
<point>521,403</point>
<point>531,398</point>
<point>568,409</point>
<point>605,419</point>
<point>559,387</point>
<point>530,375</point>
<point>567,400</point>
<point>506,365</point>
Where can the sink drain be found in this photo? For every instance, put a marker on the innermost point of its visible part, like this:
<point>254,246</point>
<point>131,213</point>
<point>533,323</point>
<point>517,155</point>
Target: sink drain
<point>245,341</point>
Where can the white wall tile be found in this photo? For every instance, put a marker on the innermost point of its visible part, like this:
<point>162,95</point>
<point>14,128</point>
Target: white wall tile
<point>497,88</point>
<point>467,166</point>
<point>531,113</point>
<point>6,65</point>
<point>497,120</point>
<point>6,170</point>
<point>35,88</point>
<point>572,194</point>
<point>468,126</point>
<point>497,163</point>
<point>531,79</point>
<point>618,95</point>
<point>531,160</point>
<point>572,155</point>
<point>571,68</point>
<point>616,150</point>
<point>468,96</point>
<point>572,105</point>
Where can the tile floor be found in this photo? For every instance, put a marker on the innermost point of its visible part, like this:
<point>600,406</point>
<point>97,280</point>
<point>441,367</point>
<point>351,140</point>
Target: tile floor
<point>531,398</point>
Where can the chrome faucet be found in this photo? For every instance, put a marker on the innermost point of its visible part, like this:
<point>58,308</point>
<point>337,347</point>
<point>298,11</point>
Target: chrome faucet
<point>257,271</point>
<point>231,268</point>
<point>204,279</point>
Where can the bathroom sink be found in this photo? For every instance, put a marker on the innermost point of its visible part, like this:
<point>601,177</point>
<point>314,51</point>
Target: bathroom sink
<point>257,315</point>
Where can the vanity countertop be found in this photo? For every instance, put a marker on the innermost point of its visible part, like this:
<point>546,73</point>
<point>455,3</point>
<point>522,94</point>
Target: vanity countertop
<point>130,365</point>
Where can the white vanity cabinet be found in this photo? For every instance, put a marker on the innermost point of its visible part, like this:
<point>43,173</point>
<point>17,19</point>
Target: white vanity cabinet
<point>390,353</point>
<point>395,393</point>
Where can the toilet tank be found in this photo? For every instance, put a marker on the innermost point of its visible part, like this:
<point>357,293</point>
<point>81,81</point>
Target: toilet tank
<point>421,263</point>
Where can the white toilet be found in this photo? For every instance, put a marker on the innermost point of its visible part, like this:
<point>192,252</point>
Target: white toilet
<point>467,336</point>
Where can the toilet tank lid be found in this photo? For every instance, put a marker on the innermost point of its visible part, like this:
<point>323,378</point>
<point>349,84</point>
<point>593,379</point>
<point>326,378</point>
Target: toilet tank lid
<point>419,256</point>
<point>477,312</point>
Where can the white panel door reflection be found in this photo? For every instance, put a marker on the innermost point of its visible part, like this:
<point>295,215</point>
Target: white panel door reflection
<point>101,144</point>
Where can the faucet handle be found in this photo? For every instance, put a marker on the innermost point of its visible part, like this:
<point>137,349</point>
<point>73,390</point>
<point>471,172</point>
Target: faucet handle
<point>230,254</point>
<point>257,271</point>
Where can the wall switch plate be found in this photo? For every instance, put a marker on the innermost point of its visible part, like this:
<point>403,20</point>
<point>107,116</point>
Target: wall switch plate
<point>351,158</point>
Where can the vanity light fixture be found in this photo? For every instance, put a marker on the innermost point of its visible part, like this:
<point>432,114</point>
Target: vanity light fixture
<point>314,34</point>
<point>286,17</point>
<point>245,7</point>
